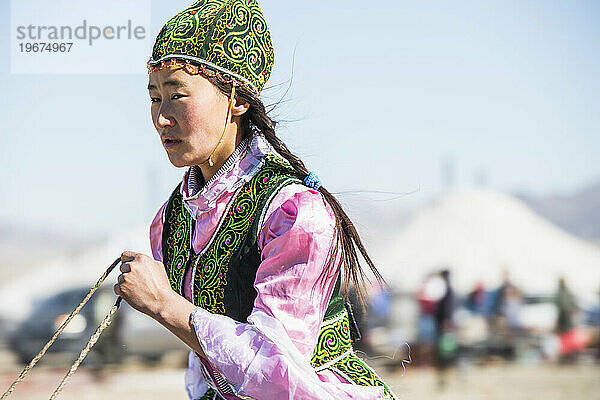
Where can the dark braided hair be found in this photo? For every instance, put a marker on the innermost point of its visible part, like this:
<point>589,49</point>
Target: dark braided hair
<point>256,121</point>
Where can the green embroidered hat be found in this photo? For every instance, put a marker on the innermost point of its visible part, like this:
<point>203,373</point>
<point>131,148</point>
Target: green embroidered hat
<point>228,37</point>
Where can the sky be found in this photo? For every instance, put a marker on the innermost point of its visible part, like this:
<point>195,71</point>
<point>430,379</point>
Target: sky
<point>381,96</point>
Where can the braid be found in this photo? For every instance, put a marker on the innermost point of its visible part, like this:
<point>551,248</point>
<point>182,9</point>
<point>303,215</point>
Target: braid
<point>346,237</point>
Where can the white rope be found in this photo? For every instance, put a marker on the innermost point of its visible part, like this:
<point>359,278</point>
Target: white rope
<point>93,339</point>
<point>33,362</point>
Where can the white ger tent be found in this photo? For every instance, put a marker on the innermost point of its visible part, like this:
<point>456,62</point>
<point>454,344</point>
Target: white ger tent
<point>478,234</point>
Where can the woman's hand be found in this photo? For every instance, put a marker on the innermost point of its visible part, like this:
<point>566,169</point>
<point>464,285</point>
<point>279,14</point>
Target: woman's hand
<point>143,283</point>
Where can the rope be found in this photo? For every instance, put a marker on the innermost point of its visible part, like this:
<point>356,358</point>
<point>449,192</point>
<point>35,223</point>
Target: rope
<point>33,362</point>
<point>93,339</point>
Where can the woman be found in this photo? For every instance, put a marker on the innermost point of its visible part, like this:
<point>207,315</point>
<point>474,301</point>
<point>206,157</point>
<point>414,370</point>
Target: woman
<point>251,243</point>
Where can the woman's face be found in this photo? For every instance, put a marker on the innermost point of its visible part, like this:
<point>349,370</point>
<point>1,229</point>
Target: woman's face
<point>189,114</point>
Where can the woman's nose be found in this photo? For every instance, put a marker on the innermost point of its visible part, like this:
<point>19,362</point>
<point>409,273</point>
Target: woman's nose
<point>162,120</point>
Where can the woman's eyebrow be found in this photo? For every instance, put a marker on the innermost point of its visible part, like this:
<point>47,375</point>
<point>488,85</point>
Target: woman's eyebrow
<point>170,82</point>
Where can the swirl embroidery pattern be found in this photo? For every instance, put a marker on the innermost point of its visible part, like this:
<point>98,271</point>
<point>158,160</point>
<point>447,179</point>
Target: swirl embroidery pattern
<point>334,345</point>
<point>232,35</point>
<point>360,373</point>
<point>180,33</point>
<point>210,277</point>
<point>176,248</point>
<point>333,341</point>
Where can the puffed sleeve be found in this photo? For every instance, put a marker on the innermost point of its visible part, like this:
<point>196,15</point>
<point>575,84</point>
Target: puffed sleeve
<point>156,230</point>
<point>269,356</point>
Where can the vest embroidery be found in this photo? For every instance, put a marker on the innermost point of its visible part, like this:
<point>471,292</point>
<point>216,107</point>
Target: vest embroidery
<point>210,278</point>
<point>177,236</point>
<point>235,236</point>
<point>333,341</point>
<point>212,264</point>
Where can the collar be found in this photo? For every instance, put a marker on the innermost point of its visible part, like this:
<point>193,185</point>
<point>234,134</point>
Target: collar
<point>240,167</point>
<point>195,180</point>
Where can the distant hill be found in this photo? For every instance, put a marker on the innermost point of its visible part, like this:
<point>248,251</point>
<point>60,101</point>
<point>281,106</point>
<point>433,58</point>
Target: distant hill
<point>578,214</point>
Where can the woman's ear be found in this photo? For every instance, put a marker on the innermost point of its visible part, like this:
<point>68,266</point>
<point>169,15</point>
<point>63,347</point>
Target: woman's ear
<point>239,108</point>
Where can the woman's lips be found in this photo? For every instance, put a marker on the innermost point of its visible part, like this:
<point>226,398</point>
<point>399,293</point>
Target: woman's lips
<point>169,143</point>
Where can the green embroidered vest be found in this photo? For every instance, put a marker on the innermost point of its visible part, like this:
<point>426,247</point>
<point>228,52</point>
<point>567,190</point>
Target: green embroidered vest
<point>225,270</point>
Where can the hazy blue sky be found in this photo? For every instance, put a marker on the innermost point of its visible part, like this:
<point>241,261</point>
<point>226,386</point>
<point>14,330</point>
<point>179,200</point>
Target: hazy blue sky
<point>381,93</point>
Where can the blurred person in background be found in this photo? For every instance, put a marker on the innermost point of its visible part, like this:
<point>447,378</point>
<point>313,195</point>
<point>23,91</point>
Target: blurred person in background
<point>251,254</point>
<point>475,328</point>
<point>566,306</point>
<point>572,339</point>
<point>446,342</point>
<point>428,296</point>
<point>598,334</point>
<point>477,300</point>
<point>504,318</point>
<point>513,302</point>
<point>500,296</point>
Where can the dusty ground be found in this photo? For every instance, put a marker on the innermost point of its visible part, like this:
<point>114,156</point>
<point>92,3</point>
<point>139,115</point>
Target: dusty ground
<point>501,382</point>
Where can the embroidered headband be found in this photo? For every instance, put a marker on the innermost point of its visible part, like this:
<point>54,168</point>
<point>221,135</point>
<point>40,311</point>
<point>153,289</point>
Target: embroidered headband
<point>227,39</point>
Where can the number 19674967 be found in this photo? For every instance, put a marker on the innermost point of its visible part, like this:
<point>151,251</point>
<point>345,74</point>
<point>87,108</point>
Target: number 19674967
<point>38,47</point>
